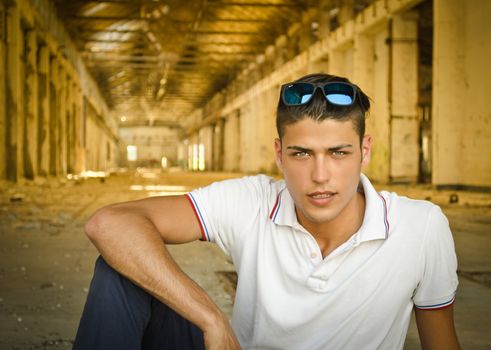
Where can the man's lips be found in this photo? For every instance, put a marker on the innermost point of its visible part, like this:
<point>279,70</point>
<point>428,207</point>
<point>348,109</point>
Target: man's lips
<point>321,198</point>
<point>321,194</point>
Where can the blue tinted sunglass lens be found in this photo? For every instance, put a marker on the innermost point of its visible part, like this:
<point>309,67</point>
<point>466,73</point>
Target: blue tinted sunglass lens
<point>305,98</point>
<point>297,94</point>
<point>340,99</point>
<point>339,94</point>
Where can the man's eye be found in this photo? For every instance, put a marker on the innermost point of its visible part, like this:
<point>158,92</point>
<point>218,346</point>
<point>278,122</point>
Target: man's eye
<point>338,153</point>
<point>300,154</point>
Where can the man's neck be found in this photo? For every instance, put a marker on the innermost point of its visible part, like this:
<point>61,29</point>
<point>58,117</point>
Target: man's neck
<point>330,235</point>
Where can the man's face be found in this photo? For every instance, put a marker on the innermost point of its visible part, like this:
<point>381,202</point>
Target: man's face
<point>321,164</point>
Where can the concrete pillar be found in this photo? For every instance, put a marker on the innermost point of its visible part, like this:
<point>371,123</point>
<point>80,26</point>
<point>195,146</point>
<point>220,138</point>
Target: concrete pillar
<point>206,147</point>
<point>257,131</point>
<point>232,142</point>
<point>461,75</point>
<point>71,127</point>
<point>363,62</point>
<point>43,146</point>
<point>83,156</point>
<point>62,117</point>
<point>53,118</point>
<point>32,109</point>
<point>476,125</point>
<point>341,62</point>
<point>404,133</point>
<point>448,80</point>
<point>194,152</point>
<point>319,66</point>
<point>377,123</point>
<point>305,36</point>
<point>247,135</point>
<point>218,138</point>
<point>266,130</point>
<point>189,146</point>
<point>14,125</point>
<point>345,11</point>
<point>78,149</point>
<point>324,19</point>
<point>3,114</point>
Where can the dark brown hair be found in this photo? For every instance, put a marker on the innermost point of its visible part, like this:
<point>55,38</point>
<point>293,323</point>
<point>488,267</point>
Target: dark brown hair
<point>320,109</point>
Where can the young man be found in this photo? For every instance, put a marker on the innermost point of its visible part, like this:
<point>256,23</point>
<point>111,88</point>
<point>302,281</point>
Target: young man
<point>324,261</point>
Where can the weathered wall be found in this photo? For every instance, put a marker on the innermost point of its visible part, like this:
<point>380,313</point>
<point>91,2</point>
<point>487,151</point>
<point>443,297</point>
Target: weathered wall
<point>372,75</point>
<point>3,115</point>
<point>43,84</point>
<point>404,123</point>
<point>379,50</point>
<point>153,143</point>
<point>206,141</point>
<point>257,132</point>
<point>477,122</point>
<point>360,48</point>
<point>232,142</point>
<point>461,113</point>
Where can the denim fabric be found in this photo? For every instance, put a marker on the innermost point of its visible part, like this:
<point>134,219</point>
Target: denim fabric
<point>120,315</point>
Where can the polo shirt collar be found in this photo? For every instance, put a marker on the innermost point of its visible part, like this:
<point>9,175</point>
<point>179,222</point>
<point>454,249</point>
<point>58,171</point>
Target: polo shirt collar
<point>375,223</point>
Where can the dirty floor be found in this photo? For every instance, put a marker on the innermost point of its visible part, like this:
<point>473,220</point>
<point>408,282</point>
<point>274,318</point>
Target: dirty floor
<point>46,261</point>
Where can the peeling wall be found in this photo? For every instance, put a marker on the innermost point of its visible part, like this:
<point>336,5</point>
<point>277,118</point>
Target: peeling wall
<point>43,87</point>
<point>378,49</point>
<point>3,115</point>
<point>461,113</point>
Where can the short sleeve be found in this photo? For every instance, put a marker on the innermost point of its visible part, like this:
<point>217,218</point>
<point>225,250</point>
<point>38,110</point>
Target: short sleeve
<point>439,282</point>
<point>227,209</point>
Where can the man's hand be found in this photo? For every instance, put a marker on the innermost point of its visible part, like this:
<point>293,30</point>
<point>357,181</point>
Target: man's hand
<point>221,337</point>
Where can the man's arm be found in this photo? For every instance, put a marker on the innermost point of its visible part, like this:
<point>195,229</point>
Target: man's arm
<point>436,329</point>
<point>131,237</point>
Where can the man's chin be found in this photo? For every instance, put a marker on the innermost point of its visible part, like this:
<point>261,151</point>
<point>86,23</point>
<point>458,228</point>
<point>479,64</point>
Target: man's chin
<point>320,218</point>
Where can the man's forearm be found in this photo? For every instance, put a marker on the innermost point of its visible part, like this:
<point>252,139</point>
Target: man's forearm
<point>131,244</point>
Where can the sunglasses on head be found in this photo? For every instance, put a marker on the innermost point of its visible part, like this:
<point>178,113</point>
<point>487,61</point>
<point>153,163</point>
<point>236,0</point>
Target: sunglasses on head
<point>336,93</point>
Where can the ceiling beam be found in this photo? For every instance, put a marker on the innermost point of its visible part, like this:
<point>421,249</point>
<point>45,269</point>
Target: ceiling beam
<point>234,20</point>
<point>122,2</point>
<point>108,18</point>
<point>111,51</point>
<point>229,32</point>
<point>116,31</point>
<point>145,122</point>
<point>133,17</point>
<point>254,4</point>
<point>217,3</point>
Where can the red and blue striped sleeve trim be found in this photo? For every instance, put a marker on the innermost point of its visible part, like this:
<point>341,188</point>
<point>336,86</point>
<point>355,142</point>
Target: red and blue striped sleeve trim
<point>276,207</point>
<point>204,230</point>
<point>437,306</point>
<point>386,216</point>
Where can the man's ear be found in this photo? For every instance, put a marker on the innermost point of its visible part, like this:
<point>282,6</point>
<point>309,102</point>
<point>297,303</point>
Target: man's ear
<point>366,150</point>
<point>277,153</point>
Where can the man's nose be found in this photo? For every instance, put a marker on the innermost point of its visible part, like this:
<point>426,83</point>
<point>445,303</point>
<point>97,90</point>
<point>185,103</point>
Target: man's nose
<point>321,170</point>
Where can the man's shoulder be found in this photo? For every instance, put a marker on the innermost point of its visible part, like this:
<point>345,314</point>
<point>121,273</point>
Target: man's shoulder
<point>247,189</point>
<point>261,183</point>
<point>397,204</point>
<point>411,212</point>
<point>401,202</point>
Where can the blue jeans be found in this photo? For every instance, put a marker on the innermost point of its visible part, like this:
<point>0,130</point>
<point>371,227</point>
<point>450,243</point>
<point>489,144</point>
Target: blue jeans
<point>119,315</point>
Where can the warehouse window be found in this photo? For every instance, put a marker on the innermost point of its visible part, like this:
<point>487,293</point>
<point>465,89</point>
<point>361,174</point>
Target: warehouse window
<point>131,153</point>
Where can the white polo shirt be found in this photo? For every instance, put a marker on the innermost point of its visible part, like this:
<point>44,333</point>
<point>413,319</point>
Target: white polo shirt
<point>358,297</point>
